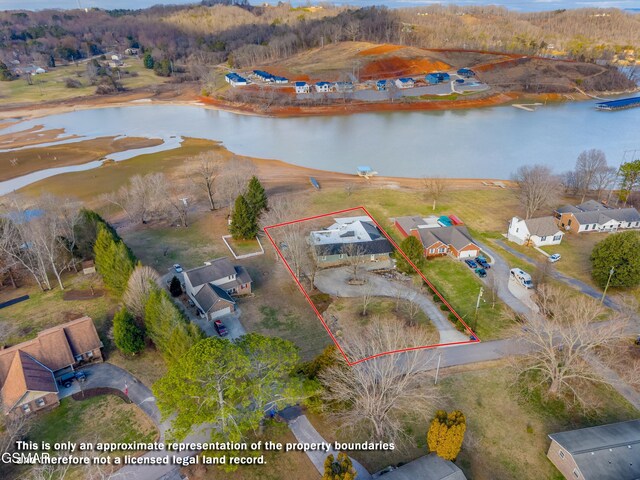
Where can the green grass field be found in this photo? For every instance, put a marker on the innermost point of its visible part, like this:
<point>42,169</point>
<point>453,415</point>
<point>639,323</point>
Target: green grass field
<point>51,85</point>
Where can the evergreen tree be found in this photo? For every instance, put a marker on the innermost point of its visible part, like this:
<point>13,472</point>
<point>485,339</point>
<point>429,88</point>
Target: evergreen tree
<point>51,63</point>
<point>174,287</point>
<point>113,259</point>
<point>256,196</point>
<point>127,336</point>
<point>5,73</point>
<point>148,61</point>
<point>244,224</point>
<point>339,469</point>
<point>446,434</point>
<point>413,249</point>
<point>620,251</point>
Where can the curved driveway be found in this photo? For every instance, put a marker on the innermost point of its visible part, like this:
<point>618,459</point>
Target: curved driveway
<point>334,282</point>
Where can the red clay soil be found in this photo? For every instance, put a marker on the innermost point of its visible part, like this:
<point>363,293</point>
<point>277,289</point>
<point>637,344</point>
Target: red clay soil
<point>381,49</point>
<point>398,67</point>
<point>353,107</point>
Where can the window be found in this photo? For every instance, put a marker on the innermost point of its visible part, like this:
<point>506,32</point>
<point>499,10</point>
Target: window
<point>442,250</point>
<point>569,223</point>
<point>586,227</point>
<point>40,402</point>
<point>560,453</point>
<point>89,354</point>
<point>78,358</point>
<point>26,408</point>
<point>542,239</point>
<point>557,238</point>
<point>432,250</point>
<point>575,473</point>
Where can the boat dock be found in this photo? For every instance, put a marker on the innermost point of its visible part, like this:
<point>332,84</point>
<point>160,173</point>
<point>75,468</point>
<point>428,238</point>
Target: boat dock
<point>529,107</point>
<point>314,182</point>
<point>620,104</point>
<point>366,172</point>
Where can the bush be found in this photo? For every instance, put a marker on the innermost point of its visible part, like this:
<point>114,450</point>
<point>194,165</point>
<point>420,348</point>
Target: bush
<point>444,308</point>
<point>436,298</point>
<point>174,287</point>
<point>72,83</point>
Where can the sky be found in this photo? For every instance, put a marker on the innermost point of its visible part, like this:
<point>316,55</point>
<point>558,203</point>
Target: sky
<point>519,5</point>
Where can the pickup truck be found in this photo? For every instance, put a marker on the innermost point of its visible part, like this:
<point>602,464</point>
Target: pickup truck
<point>67,379</point>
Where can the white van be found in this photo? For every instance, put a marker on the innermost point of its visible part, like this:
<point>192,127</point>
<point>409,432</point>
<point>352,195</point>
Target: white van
<point>522,277</point>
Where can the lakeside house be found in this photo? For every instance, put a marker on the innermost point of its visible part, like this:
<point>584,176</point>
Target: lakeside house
<point>302,87</point>
<point>235,80</point>
<point>437,77</point>
<point>322,87</point>
<point>534,231</point>
<point>405,82</point>
<point>606,452</point>
<point>213,285</point>
<point>381,85</point>
<point>343,86</point>
<point>593,216</point>
<point>465,72</point>
<point>439,238</point>
<point>264,76</point>
<point>280,80</point>
<point>29,371</point>
<point>348,237</point>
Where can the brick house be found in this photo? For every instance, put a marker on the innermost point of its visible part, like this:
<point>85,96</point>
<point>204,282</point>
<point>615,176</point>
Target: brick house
<point>29,370</point>
<point>438,240</point>
<point>592,216</point>
<point>213,286</point>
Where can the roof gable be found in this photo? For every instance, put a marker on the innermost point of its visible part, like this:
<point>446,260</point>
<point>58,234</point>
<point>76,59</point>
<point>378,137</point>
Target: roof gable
<point>25,375</point>
<point>216,269</point>
<point>542,226</point>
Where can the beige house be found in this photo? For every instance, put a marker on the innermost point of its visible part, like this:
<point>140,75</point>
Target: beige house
<point>607,452</point>
<point>29,370</point>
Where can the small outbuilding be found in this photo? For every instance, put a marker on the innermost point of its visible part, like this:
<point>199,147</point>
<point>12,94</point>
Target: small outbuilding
<point>466,72</point>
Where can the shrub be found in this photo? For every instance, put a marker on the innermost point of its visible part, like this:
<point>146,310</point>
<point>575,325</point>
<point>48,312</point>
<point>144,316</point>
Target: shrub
<point>72,83</point>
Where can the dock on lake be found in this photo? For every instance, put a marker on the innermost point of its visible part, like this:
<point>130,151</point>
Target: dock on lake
<point>620,104</point>
<point>366,172</point>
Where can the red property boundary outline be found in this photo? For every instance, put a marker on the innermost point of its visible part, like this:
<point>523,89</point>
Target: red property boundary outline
<point>395,245</point>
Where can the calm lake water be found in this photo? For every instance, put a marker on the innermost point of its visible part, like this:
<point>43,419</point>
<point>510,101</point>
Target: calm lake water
<point>519,5</point>
<point>479,143</point>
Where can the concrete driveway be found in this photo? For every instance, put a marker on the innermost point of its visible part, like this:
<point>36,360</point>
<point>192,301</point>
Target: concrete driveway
<point>334,282</point>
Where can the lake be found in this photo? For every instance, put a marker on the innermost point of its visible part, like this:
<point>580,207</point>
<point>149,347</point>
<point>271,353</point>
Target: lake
<point>479,143</point>
<point>518,5</point>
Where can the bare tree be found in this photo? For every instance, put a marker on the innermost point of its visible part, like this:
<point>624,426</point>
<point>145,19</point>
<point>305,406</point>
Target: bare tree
<point>434,188</point>
<point>142,198</point>
<point>589,162</point>
<point>141,283</point>
<point>294,246</point>
<point>559,338</point>
<point>604,179</point>
<point>233,181</point>
<point>367,297</point>
<point>412,309</point>
<point>13,427</point>
<point>539,187</point>
<point>356,256</point>
<point>203,170</point>
<point>376,396</point>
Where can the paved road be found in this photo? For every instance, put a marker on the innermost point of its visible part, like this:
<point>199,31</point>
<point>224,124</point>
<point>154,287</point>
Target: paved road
<point>334,282</point>
<point>306,433</point>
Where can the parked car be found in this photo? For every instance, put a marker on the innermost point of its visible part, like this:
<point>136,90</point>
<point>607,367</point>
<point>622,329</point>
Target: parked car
<point>67,379</point>
<point>483,262</point>
<point>481,272</point>
<point>470,263</point>
<point>81,376</point>
<point>220,328</point>
<point>177,267</point>
<point>555,257</point>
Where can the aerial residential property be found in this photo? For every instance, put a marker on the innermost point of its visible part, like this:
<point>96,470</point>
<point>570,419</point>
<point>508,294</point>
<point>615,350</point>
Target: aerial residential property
<point>594,216</point>
<point>536,232</point>
<point>29,371</point>
<point>213,285</point>
<point>605,452</point>
<point>347,237</point>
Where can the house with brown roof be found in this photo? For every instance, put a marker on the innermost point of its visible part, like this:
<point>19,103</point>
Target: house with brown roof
<point>439,238</point>
<point>213,285</point>
<point>592,216</point>
<point>535,231</point>
<point>29,370</point>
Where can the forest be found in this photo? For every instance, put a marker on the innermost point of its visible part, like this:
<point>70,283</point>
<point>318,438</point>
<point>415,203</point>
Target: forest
<point>242,34</point>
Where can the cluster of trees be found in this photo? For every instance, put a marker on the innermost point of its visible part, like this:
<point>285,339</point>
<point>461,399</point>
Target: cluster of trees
<point>340,468</point>
<point>247,210</point>
<point>230,385</point>
<point>446,434</point>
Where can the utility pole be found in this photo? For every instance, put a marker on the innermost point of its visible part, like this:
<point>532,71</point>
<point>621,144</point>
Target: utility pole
<point>475,316</point>
<point>437,369</point>
<point>604,294</point>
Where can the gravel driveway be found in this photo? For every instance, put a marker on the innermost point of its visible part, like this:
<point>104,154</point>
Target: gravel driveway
<point>334,282</point>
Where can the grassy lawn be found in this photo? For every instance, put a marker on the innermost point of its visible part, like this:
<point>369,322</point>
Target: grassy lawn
<point>51,85</point>
<point>506,435</point>
<point>348,312</point>
<point>243,247</point>
<point>460,287</point>
<point>576,250</point>
<point>147,366</point>
<point>24,320</point>
<point>88,185</point>
<point>279,465</point>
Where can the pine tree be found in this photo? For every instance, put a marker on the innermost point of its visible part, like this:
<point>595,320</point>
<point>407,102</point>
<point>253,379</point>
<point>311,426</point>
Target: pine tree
<point>148,61</point>
<point>256,196</point>
<point>174,287</point>
<point>244,224</point>
<point>114,261</point>
<point>127,336</point>
<point>412,248</point>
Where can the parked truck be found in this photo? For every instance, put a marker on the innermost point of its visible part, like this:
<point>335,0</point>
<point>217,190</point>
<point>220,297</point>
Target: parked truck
<point>522,277</point>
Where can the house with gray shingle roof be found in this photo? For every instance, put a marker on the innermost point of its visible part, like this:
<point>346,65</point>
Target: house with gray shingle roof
<point>455,241</point>
<point>606,452</point>
<point>535,231</point>
<point>428,467</point>
<point>213,285</point>
<point>592,216</point>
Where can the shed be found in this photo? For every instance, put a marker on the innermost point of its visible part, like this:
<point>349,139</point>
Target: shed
<point>455,220</point>
<point>465,72</point>
<point>445,221</point>
<point>88,267</point>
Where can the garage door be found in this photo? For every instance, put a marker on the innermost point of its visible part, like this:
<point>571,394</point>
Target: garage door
<point>220,313</point>
<point>468,253</point>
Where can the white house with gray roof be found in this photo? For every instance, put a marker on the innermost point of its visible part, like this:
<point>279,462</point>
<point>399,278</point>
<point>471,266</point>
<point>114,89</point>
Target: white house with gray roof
<point>607,452</point>
<point>347,237</point>
<point>213,285</point>
<point>535,231</point>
